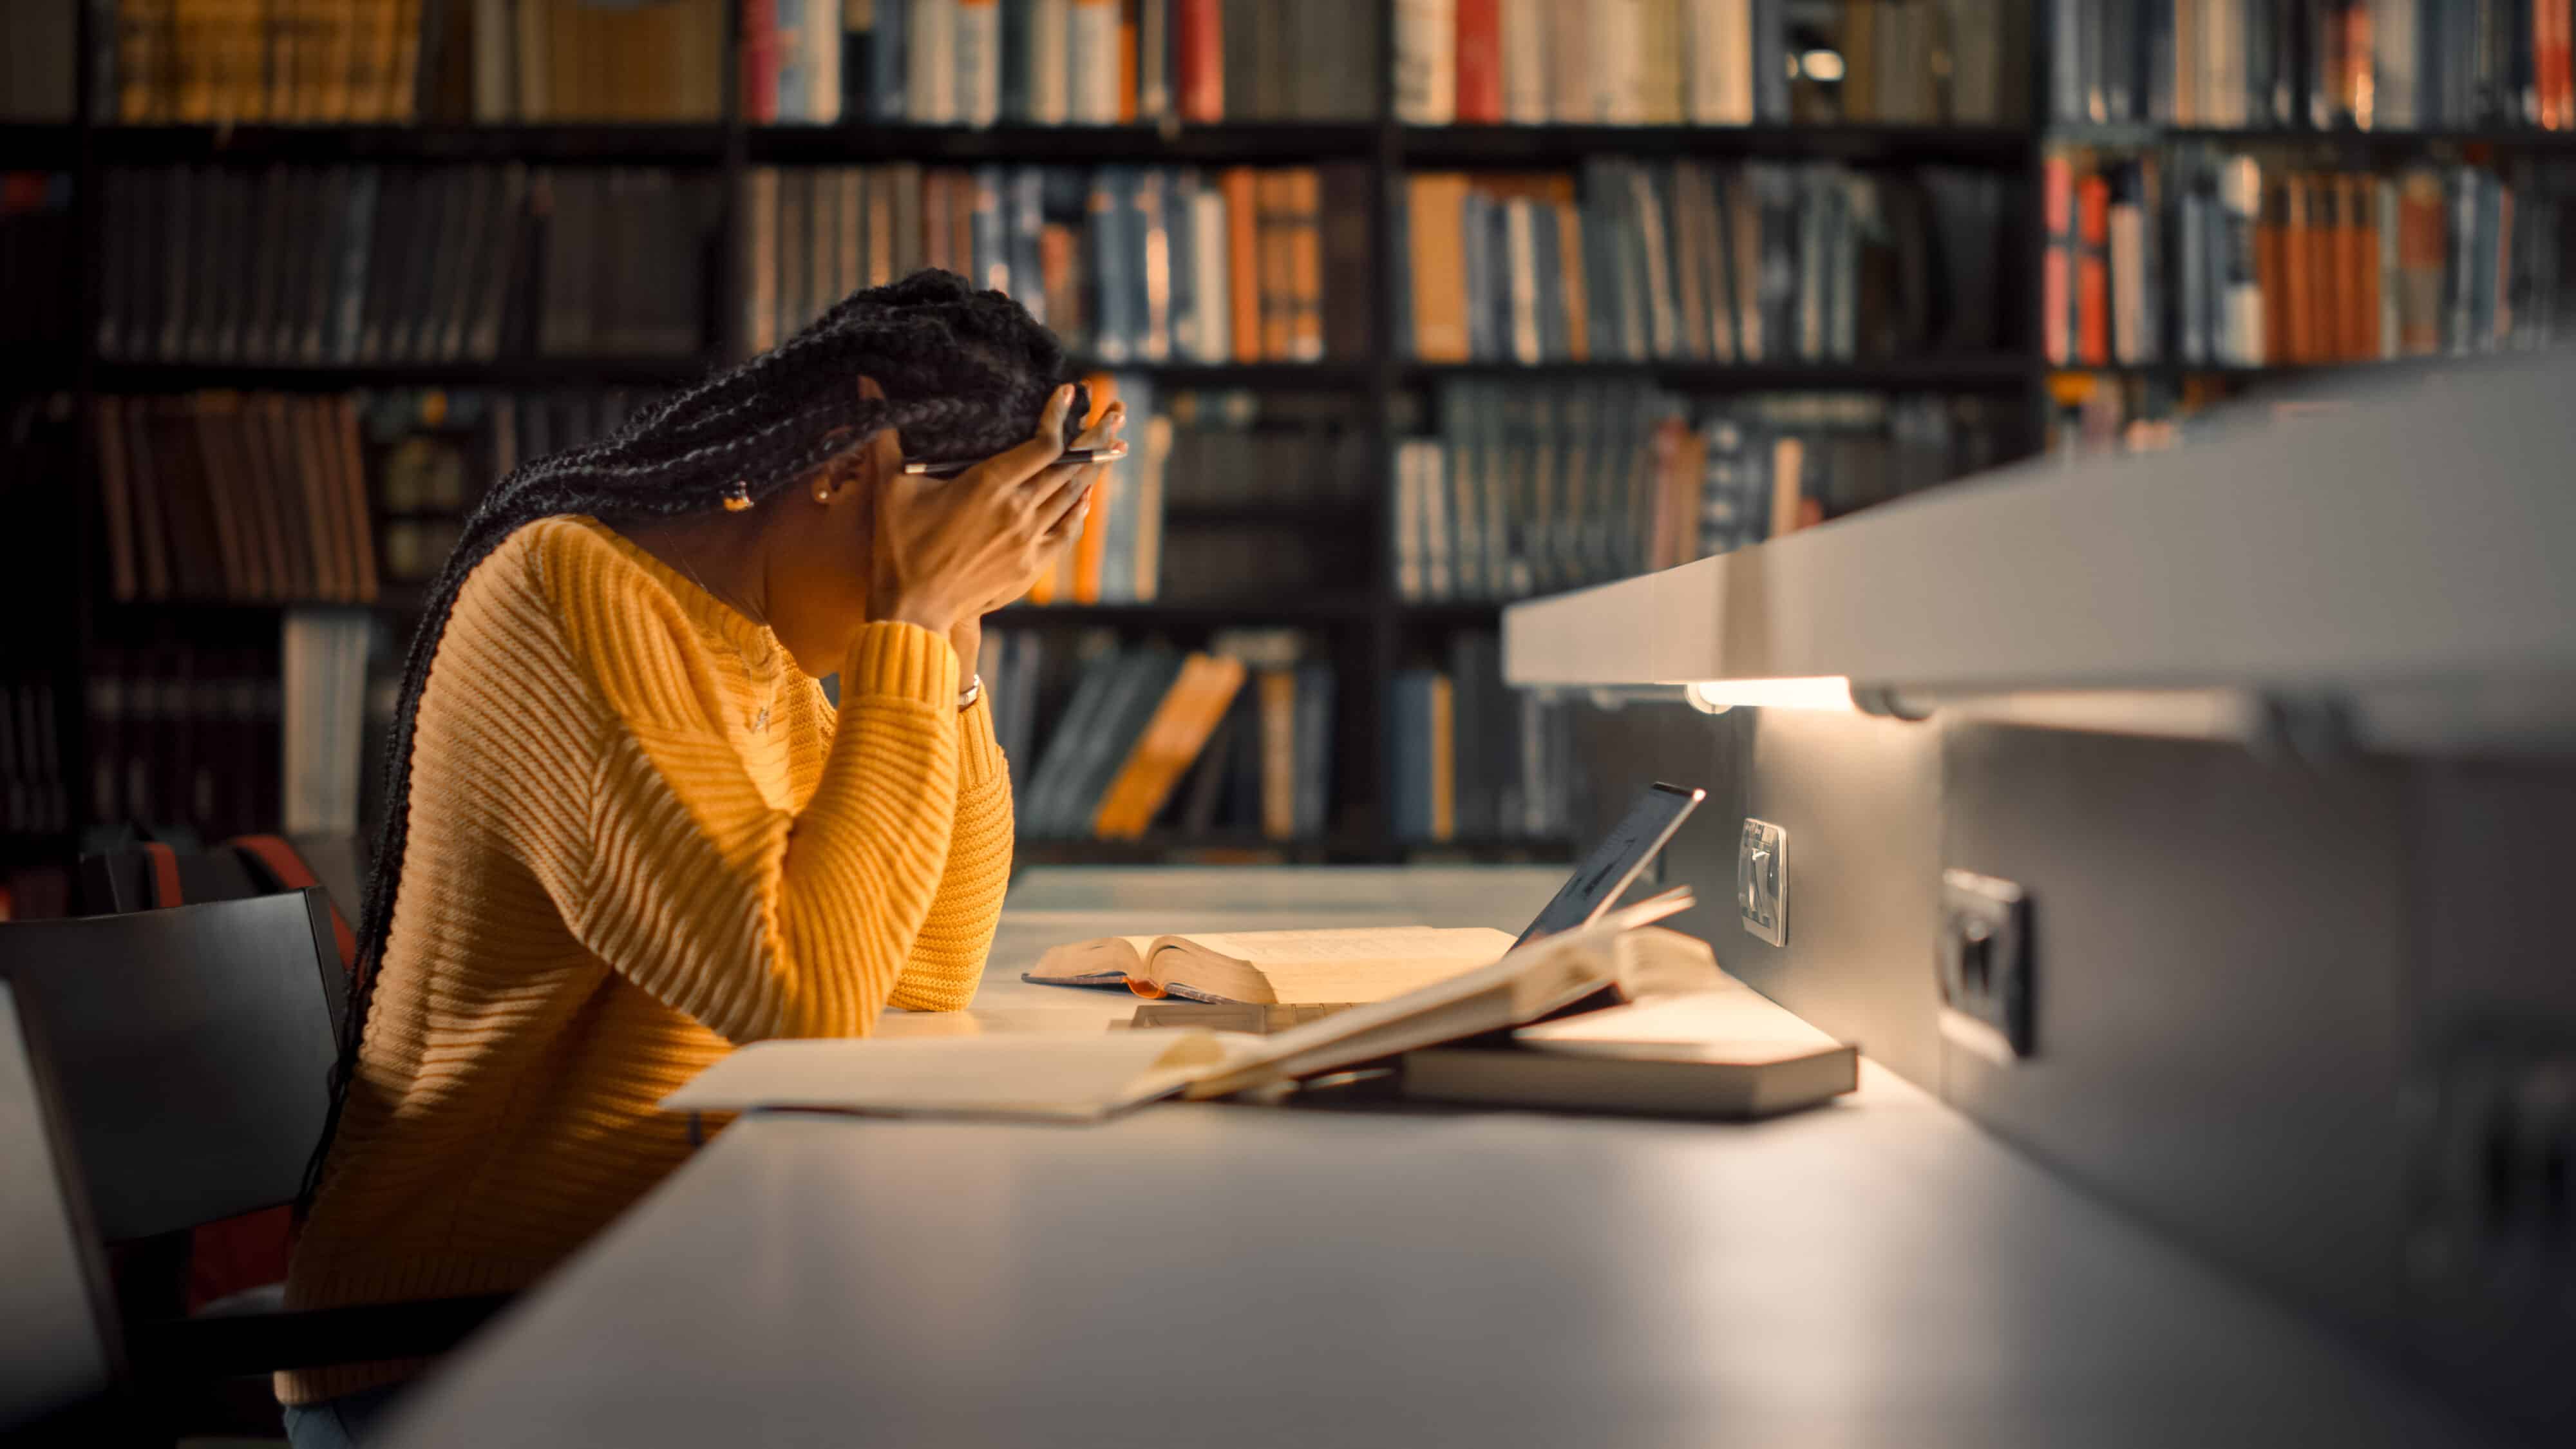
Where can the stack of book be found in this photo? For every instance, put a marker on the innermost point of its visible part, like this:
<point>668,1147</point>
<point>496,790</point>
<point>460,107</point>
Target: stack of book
<point>1126,263</point>
<point>185,740</point>
<point>1057,62</point>
<point>1474,759</point>
<point>1688,260</point>
<point>1705,62</point>
<point>2203,258</point>
<point>395,62</point>
<point>308,265</point>
<point>1529,490</point>
<point>36,257</point>
<point>2366,64</point>
<point>232,497</point>
<point>1237,739</point>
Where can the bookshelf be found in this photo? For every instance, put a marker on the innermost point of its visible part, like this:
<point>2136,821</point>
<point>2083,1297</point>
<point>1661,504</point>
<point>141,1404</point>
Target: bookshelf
<point>1371,632</point>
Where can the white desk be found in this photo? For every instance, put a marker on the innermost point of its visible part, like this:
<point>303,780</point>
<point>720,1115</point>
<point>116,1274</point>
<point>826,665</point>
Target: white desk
<point>1877,1272</point>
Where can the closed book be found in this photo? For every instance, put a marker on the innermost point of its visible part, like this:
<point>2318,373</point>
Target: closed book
<point>1278,697</point>
<point>1570,98</point>
<point>1302,196</point>
<point>1435,226</point>
<point>1092,62</point>
<point>1239,186</point>
<point>2093,272</point>
<point>930,73</point>
<point>1523,27</point>
<point>2243,260</point>
<point>1477,49</point>
<point>1314,748</point>
<point>976,41</point>
<point>1724,1053</point>
<point>1073,730</point>
<point>1426,74</point>
<point>1149,231</point>
<point>1198,58</point>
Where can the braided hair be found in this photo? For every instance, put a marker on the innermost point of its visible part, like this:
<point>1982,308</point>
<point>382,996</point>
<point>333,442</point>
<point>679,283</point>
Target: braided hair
<point>965,373</point>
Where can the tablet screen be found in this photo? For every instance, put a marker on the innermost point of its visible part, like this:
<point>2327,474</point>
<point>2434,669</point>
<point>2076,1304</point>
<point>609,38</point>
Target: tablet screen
<point>1607,871</point>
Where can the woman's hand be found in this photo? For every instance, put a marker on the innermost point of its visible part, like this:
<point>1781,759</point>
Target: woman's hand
<point>951,550</point>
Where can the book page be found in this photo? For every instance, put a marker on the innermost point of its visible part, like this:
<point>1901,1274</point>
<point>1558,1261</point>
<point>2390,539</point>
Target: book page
<point>1065,1077</point>
<point>1102,961</point>
<point>1268,949</point>
<point>1351,965</point>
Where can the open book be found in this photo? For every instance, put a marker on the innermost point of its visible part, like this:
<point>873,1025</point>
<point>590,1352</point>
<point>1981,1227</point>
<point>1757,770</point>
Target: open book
<point>1068,1077</point>
<point>1275,968</point>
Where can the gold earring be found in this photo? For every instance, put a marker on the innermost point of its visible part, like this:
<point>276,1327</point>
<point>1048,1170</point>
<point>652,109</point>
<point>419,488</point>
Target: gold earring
<point>738,499</point>
<point>822,495</point>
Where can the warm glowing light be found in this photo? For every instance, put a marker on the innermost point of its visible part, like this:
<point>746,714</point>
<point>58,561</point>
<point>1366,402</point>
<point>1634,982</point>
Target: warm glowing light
<point>1822,65</point>
<point>1829,692</point>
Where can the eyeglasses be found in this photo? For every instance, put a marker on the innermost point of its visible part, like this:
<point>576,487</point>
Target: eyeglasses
<point>1075,420</point>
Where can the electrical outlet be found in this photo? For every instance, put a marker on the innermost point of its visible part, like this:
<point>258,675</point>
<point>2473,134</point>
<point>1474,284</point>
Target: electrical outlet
<point>1762,881</point>
<point>1985,965</point>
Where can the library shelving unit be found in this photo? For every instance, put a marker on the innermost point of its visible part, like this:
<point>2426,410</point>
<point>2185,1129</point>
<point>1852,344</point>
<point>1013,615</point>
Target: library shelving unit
<point>1369,632</point>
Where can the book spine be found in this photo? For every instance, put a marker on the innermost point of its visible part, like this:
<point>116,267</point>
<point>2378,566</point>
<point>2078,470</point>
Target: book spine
<point>977,29</point>
<point>1426,62</point>
<point>1199,56</point>
<point>2093,283</point>
<point>1477,48</point>
<point>1050,65</point>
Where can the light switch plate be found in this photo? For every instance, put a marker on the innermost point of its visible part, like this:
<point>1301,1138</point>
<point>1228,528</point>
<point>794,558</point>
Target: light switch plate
<point>1762,881</point>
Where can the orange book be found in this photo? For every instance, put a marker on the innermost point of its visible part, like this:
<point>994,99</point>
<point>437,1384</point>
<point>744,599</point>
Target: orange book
<point>2057,264</point>
<point>1569,249</point>
<point>1243,260</point>
<point>2360,268</point>
<point>2093,272</point>
<point>1302,224</point>
<point>1279,754</point>
<point>2419,263</point>
<point>1436,205</point>
<point>1171,743</point>
<point>1088,550</point>
<point>1444,758</point>
<point>1127,62</point>
<point>1274,219</point>
<point>2325,273</point>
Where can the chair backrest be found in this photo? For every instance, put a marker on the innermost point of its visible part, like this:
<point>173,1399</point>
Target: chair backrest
<point>193,1048</point>
<point>62,1348</point>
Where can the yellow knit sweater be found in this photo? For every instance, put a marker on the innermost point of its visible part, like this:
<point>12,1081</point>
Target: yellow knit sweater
<point>639,836</point>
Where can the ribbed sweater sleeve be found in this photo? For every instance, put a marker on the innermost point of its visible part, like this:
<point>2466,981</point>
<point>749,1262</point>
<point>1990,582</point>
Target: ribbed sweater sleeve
<point>753,920</point>
<point>948,958</point>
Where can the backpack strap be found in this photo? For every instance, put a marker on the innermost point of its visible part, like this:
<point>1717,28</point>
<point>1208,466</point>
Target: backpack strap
<point>273,857</point>
<point>162,869</point>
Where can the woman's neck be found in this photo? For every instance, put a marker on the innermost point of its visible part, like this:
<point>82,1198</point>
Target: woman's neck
<point>726,561</point>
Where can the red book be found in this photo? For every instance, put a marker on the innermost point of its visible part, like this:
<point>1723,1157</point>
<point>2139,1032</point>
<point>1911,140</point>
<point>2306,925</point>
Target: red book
<point>1480,62</point>
<point>759,61</point>
<point>1198,54</point>
<point>2093,273</point>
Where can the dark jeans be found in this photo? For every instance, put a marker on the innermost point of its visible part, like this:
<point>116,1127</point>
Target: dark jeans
<point>347,1422</point>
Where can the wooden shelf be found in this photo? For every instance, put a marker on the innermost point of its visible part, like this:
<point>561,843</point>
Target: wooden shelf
<point>1943,374</point>
<point>2125,134</point>
<point>520,373</point>
<point>669,143</point>
<point>1248,141</point>
<point>1986,146</point>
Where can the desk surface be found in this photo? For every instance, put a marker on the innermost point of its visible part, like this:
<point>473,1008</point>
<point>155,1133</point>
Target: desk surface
<point>1876,1272</point>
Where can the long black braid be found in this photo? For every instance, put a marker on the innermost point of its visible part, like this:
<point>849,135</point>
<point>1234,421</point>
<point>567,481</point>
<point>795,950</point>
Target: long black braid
<point>965,373</point>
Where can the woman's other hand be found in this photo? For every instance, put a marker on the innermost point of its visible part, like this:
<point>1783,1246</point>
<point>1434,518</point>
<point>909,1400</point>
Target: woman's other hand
<point>951,550</point>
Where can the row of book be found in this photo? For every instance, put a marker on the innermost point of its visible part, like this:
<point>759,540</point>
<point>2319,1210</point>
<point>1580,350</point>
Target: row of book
<point>2234,260</point>
<point>35,794</point>
<point>1057,62</point>
<point>1125,263</point>
<point>1525,490</point>
<point>1119,557</point>
<point>365,264</point>
<point>36,245</point>
<point>223,496</point>
<point>398,62</point>
<point>1472,759</point>
<point>189,739</point>
<point>1235,739</point>
<point>2327,64</point>
<point>1705,62</point>
<point>432,453</point>
<point>1695,260</point>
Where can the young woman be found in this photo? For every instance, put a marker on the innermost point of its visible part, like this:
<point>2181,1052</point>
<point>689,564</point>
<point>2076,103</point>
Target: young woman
<point>627,831</point>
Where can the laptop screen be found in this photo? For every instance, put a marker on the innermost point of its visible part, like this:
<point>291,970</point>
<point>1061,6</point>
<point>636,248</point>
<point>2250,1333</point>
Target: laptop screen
<point>1613,864</point>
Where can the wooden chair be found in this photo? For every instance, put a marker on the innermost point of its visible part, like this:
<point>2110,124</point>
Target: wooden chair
<point>193,1047</point>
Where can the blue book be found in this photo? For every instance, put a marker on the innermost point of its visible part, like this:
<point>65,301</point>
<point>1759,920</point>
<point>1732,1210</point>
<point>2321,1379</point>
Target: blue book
<point>357,226</point>
<point>888,58</point>
<point>1018,39</point>
<point>1555,329</point>
<point>1476,236</point>
<point>1314,747</point>
<point>1115,322</point>
<point>1024,197</point>
<point>1180,188</point>
<point>1411,767</point>
<point>795,67</point>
